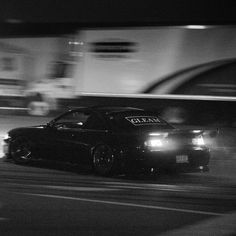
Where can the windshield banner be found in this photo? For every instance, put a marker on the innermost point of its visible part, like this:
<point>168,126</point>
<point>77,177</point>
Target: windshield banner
<point>143,120</point>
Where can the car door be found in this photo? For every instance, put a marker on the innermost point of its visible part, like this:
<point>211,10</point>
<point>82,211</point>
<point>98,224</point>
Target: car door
<point>54,141</point>
<point>68,135</point>
<point>80,140</point>
<point>94,131</point>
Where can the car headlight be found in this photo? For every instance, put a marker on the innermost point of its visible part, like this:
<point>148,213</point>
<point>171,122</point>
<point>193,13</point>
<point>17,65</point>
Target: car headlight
<point>6,136</point>
<point>198,141</point>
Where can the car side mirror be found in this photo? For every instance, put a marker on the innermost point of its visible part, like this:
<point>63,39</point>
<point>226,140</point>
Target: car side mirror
<point>50,124</point>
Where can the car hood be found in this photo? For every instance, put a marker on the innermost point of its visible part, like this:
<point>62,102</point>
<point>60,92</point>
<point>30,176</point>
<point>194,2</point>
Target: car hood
<point>16,130</point>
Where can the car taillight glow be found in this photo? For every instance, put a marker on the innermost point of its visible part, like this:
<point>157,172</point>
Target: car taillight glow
<point>198,141</point>
<point>154,143</point>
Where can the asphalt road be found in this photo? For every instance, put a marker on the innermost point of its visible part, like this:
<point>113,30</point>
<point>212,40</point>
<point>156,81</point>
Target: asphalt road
<point>54,199</point>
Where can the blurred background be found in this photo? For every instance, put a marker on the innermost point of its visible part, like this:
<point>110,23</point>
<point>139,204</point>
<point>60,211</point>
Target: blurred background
<point>176,58</point>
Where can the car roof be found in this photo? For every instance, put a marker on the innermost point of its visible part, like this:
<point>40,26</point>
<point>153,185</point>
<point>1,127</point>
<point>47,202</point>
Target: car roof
<point>108,109</point>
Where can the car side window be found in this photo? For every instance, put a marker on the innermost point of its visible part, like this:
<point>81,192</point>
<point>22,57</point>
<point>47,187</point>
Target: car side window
<point>75,119</point>
<point>96,123</point>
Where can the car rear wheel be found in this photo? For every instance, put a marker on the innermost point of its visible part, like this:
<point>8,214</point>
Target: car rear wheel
<point>21,150</point>
<point>103,159</point>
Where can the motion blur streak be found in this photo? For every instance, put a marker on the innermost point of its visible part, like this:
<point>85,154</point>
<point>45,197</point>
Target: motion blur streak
<point>125,204</point>
<point>2,134</point>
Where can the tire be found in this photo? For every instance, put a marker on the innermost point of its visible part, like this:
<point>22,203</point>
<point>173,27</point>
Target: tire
<point>103,160</point>
<point>21,150</point>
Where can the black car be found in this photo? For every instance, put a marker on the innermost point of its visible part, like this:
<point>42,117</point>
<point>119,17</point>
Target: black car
<point>112,140</point>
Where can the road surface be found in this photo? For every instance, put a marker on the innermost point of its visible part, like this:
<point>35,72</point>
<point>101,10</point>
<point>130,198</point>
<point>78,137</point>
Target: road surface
<point>47,198</point>
<point>54,199</point>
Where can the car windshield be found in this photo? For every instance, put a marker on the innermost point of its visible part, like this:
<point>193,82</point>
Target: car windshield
<point>138,120</point>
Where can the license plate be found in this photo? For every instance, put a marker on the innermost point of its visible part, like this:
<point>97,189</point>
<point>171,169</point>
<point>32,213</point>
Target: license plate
<point>181,159</point>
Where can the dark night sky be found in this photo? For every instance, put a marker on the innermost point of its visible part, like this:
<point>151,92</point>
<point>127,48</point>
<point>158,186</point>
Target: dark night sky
<point>60,16</point>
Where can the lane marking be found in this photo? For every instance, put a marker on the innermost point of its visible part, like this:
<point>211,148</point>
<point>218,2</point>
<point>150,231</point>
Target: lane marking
<point>14,108</point>
<point>76,188</point>
<point>67,188</point>
<point>158,187</point>
<point>129,187</point>
<point>107,187</point>
<point>125,204</point>
<point>168,187</point>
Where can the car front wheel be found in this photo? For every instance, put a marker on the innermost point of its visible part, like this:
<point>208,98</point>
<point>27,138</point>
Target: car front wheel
<point>21,150</point>
<point>103,160</point>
